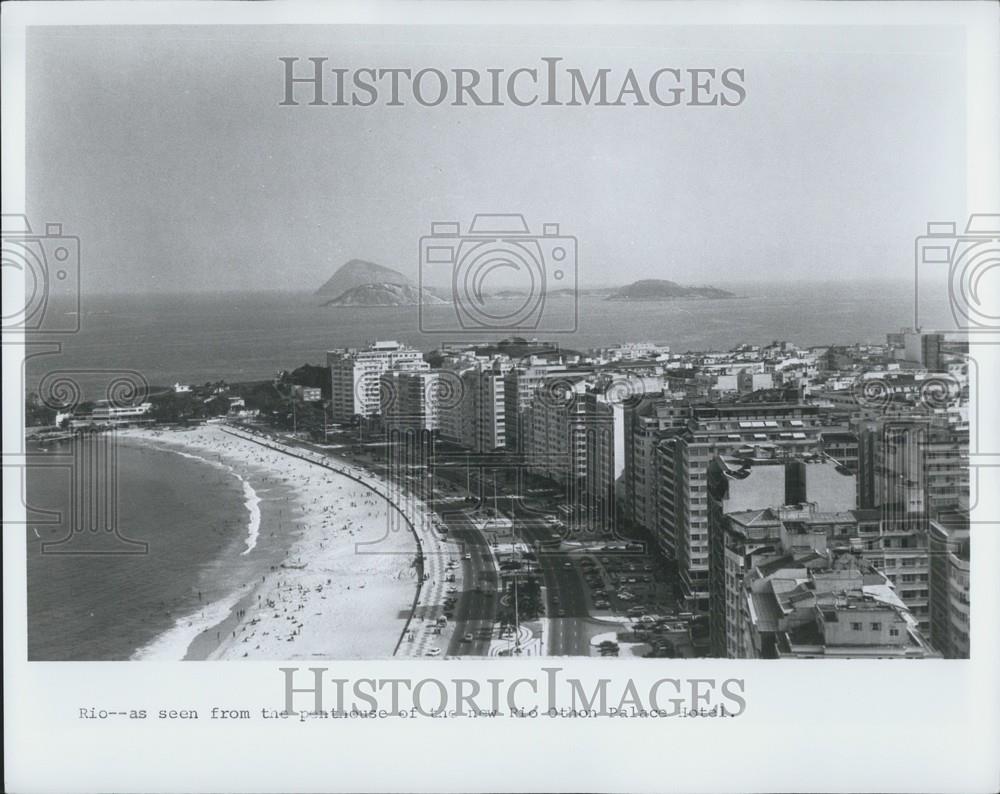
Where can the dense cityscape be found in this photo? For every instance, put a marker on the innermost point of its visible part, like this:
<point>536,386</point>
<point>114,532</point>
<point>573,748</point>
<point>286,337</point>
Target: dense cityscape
<point>765,502</point>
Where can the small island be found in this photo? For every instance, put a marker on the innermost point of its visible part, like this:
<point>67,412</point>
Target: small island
<point>358,273</point>
<point>656,289</point>
<point>384,294</point>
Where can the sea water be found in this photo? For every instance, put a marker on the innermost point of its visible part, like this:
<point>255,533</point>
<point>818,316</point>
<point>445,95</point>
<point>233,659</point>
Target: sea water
<point>202,526</point>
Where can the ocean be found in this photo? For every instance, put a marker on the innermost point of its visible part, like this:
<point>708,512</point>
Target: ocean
<point>199,521</point>
<point>249,336</point>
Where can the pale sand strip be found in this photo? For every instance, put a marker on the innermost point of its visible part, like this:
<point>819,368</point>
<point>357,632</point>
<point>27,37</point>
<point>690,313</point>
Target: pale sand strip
<point>341,604</point>
<point>422,631</point>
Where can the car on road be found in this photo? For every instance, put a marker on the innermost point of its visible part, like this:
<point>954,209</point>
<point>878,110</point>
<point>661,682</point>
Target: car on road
<point>432,652</point>
<point>466,556</point>
<point>468,637</point>
<point>602,604</point>
<point>567,564</point>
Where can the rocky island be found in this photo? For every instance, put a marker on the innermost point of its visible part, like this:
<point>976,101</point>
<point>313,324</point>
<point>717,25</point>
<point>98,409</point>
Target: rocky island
<point>655,289</point>
<point>384,294</point>
<point>359,283</point>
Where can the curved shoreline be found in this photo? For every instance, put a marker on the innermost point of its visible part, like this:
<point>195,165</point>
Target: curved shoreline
<point>250,499</point>
<point>352,600</point>
<point>285,449</point>
<point>175,642</point>
<point>433,550</point>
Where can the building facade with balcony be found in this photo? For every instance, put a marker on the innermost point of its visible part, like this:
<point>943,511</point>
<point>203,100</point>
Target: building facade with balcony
<point>354,376</point>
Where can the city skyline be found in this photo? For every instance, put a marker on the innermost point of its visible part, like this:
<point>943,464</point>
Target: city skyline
<point>720,476</point>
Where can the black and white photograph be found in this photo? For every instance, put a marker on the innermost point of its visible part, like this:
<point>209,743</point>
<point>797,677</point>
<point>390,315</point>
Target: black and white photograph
<point>475,346</point>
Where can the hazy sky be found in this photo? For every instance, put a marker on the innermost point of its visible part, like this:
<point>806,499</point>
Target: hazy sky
<point>166,151</point>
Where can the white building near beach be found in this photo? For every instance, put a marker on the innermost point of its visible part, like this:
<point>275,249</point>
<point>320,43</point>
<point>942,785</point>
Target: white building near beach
<point>354,376</point>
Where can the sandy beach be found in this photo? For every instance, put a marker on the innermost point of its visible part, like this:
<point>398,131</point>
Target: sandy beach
<point>344,588</point>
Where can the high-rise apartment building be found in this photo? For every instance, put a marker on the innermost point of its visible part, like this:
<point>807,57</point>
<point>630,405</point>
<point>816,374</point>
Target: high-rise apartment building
<point>949,585</point>
<point>683,457</point>
<point>645,421</point>
<point>410,400</point>
<point>912,468</point>
<point>521,382</point>
<point>354,376</point>
<point>553,431</point>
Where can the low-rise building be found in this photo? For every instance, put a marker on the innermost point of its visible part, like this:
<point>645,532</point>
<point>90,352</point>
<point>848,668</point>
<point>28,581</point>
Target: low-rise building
<point>812,604</point>
<point>107,414</point>
<point>760,505</point>
<point>307,394</point>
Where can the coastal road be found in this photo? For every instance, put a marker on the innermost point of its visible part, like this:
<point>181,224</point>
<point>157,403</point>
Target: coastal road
<point>567,602</point>
<point>475,611</point>
<point>476,602</point>
<point>567,605</point>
